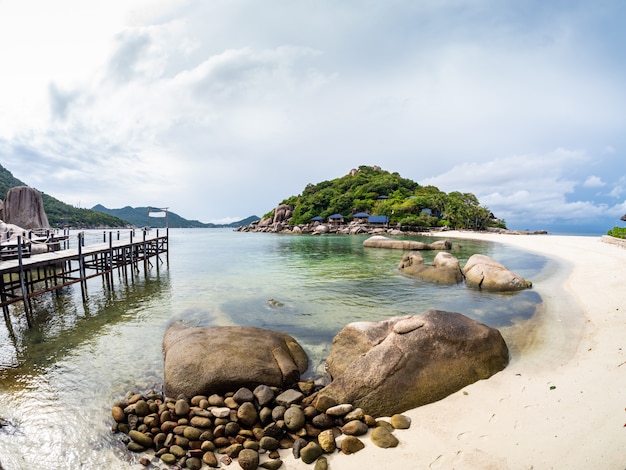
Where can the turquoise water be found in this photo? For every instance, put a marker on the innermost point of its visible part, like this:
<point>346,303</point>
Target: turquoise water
<point>59,379</point>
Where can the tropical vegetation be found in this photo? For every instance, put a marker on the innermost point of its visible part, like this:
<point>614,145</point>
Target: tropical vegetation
<point>617,232</point>
<point>379,192</point>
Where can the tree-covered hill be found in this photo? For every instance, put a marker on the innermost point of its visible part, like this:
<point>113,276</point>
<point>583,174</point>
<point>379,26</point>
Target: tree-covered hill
<point>61,214</point>
<point>379,192</point>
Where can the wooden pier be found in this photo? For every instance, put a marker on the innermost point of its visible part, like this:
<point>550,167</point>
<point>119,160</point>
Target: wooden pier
<point>30,275</point>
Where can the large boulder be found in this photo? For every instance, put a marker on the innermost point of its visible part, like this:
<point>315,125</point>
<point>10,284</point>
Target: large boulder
<point>282,213</point>
<point>391,366</point>
<point>444,270</point>
<point>217,359</point>
<point>380,241</point>
<point>23,206</point>
<point>483,272</point>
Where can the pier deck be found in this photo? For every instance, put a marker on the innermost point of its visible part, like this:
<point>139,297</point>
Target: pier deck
<point>26,277</point>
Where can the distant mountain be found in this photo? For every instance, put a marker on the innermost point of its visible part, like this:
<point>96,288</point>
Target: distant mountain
<point>59,213</point>
<point>138,216</point>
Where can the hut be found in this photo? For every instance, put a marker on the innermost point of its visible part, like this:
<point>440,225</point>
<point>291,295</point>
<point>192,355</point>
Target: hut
<point>361,217</point>
<point>335,219</point>
<point>378,220</point>
<point>317,218</point>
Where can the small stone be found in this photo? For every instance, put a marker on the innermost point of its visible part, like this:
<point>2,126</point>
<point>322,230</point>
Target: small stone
<point>273,430</point>
<point>118,414</point>
<point>248,459</point>
<point>210,459</point>
<point>140,438</point>
<point>323,403</point>
<point>321,464</point>
<point>384,424</point>
<point>247,414</point>
<point>226,460</point>
<point>354,428</point>
<point>326,440</point>
<point>134,447</point>
<point>207,446</point>
<point>370,421</point>
<point>200,422</point>
<point>399,421</point>
<point>351,444</point>
<point>220,412</point>
<point>278,412</point>
<point>272,464</point>
<point>264,394</point>
<point>289,397</point>
<point>243,395</point>
<point>233,450</point>
<point>339,410</point>
<point>216,400</point>
<point>298,444</point>
<point>142,408</point>
<point>310,452</point>
<point>323,421</point>
<point>265,415</point>
<point>294,418</point>
<point>168,458</point>
<point>195,401</point>
<point>182,407</point>
<point>177,451</point>
<point>193,463</point>
<point>145,461</point>
<point>231,403</point>
<point>356,413</point>
<point>381,437</point>
<point>306,387</point>
<point>193,434</point>
<point>269,443</point>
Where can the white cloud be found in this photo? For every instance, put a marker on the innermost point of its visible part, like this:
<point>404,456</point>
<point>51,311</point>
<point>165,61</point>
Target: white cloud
<point>593,181</point>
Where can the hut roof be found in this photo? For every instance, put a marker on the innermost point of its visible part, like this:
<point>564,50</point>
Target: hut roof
<point>335,216</point>
<point>378,219</point>
<point>317,218</point>
<point>361,214</point>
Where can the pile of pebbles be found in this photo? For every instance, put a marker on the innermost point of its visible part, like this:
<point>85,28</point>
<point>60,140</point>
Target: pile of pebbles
<point>248,425</point>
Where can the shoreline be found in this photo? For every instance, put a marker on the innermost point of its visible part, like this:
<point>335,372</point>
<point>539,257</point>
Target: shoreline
<point>561,401</point>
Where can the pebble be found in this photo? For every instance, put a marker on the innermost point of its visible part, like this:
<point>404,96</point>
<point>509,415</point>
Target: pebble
<point>289,397</point>
<point>381,437</point>
<point>248,459</point>
<point>399,421</point>
<point>321,464</point>
<point>264,394</point>
<point>243,395</point>
<point>294,418</point>
<point>247,414</point>
<point>182,407</point>
<point>272,464</point>
<point>339,410</point>
<point>354,428</point>
<point>220,412</point>
<point>327,441</point>
<point>310,452</point>
<point>351,445</point>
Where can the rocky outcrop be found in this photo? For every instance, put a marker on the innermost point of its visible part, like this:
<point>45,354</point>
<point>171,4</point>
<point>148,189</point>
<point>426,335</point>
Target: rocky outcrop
<point>23,206</point>
<point>483,272</point>
<point>379,241</point>
<point>444,270</point>
<point>397,364</point>
<point>206,360</point>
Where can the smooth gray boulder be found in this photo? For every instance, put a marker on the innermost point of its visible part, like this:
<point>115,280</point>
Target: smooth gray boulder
<point>484,272</point>
<point>391,366</point>
<point>217,359</point>
<point>444,270</point>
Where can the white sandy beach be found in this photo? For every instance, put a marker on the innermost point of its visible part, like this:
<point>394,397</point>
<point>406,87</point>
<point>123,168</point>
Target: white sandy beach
<point>560,404</point>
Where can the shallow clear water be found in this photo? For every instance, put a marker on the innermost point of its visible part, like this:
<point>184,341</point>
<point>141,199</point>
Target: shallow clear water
<point>59,379</point>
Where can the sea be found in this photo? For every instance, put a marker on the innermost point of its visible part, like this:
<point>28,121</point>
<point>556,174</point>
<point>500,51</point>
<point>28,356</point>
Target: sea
<point>60,378</point>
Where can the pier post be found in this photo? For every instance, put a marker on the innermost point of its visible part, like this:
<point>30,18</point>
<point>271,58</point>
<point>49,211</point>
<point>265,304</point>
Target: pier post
<point>81,266</point>
<point>25,297</point>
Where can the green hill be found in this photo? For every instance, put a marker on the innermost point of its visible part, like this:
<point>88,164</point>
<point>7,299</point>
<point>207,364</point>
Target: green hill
<point>379,192</point>
<point>61,214</point>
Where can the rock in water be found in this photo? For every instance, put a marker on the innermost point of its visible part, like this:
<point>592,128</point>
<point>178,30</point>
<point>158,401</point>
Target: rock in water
<point>209,360</point>
<point>486,273</point>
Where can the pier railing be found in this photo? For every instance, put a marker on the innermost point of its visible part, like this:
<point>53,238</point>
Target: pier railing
<point>71,259</point>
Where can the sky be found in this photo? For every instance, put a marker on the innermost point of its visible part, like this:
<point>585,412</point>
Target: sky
<point>220,109</point>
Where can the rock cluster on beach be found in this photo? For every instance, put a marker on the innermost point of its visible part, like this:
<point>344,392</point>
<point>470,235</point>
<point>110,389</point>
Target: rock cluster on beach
<point>248,425</point>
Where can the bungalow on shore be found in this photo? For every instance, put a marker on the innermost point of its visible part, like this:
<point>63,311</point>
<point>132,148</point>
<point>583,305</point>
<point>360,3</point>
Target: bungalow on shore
<point>378,220</point>
<point>361,217</point>
<point>335,219</point>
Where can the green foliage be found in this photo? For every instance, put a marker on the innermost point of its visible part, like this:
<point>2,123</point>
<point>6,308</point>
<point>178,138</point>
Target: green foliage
<point>405,202</point>
<point>617,232</point>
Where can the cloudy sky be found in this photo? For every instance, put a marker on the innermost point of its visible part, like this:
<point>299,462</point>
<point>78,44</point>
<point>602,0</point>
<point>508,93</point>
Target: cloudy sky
<point>219,109</point>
